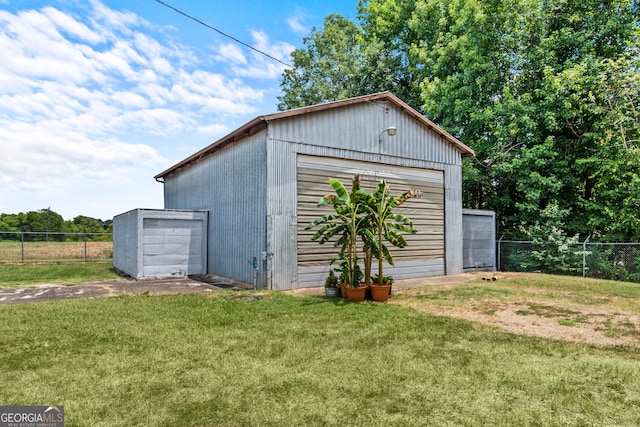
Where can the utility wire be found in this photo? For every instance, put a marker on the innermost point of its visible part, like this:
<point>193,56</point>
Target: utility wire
<point>222,33</point>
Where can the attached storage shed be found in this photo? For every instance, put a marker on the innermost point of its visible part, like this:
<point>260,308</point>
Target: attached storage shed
<point>479,240</point>
<point>261,184</point>
<point>160,243</point>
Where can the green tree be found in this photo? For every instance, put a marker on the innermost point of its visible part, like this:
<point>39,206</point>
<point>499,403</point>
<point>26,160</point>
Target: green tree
<point>85,224</point>
<point>327,69</point>
<point>11,222</point>
<point>546,93</point>
<point>44,221</point>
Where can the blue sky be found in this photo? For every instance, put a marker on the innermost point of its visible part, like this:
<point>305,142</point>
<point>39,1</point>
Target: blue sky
<point>98,97</point>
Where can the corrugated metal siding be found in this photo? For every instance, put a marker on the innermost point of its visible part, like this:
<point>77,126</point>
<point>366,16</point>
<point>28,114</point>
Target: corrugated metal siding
<point>281,207</point>
<point>453,224</point>
<point>232,185</point>
<point>353,133</point>
<point>424,254</point>
<point>125,242</point>
<point>357,128</point>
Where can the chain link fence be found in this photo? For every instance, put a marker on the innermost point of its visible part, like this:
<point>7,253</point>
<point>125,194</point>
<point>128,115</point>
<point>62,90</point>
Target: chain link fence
<point>17,247</point>
<point>614,261</point>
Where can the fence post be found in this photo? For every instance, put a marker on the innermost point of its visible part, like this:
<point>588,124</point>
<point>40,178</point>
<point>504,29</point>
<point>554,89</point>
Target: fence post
<point>22,246</point>
<point>85,246</point>
<point>499,242</point>
<point>584,256</point>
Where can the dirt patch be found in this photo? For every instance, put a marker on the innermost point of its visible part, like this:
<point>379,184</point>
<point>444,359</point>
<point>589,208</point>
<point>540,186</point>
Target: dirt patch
<point>542,313</point>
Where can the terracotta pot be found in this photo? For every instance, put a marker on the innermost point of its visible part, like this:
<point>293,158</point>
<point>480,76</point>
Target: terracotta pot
<point>380,293</point>
<point>343,290</point>
<point>356,294</point>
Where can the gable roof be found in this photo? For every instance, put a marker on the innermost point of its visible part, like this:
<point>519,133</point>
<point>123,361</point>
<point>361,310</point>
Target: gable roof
<point>260,123</point>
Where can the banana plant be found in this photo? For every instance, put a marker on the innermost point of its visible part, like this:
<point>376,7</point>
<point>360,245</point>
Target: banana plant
<point>384,224</point>
<point>347,222</point>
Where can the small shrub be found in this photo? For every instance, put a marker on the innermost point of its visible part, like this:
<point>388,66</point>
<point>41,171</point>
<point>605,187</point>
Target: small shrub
<point>552,251</point>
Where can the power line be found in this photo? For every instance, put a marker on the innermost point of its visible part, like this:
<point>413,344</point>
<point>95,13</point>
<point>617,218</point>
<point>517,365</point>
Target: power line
<point>223,33</point>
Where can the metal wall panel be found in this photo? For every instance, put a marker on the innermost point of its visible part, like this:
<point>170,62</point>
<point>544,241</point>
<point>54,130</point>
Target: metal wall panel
<point>358,128</point>
<point>232,185</point>
<point>453,213</point>
<point>125,242</point>
<point>281,207</point>
<point>354,133</point>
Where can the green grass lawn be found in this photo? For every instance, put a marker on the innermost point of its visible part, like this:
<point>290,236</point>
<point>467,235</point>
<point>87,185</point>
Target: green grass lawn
<point>278,360</point>
<point>28,274</point>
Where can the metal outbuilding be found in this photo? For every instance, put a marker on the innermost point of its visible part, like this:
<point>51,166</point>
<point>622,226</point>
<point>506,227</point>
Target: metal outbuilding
<point>160,243</point>
<point>261,184</point>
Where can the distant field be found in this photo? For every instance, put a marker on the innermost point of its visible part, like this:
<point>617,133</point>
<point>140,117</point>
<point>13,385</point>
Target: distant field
<point>12,251</point>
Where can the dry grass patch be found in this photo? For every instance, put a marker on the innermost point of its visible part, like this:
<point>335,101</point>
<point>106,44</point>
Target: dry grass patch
<point>567,308</point>
<point>54,251</point>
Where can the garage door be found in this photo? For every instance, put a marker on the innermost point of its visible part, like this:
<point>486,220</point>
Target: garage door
<point>173,247</point>
<point>424,254</point>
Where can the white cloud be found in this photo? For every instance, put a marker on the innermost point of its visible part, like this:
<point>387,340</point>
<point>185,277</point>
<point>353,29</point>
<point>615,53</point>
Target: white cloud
<point>296,21</point>
<point>257,66</point>
<point>230,53</point>
<point>110,21</point>
<point>72,27</point>
<point>84,96</point>
<point>213,131</point>
<point>37,157</point>
<point>296,25</point>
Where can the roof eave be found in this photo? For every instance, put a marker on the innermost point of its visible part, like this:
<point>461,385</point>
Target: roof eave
<point>251,128</point>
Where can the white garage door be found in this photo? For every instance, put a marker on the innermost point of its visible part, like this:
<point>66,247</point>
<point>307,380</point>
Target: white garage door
<point>425,251</point>
<point>173,247</point>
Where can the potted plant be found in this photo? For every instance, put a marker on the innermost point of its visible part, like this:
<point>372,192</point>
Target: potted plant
<point>382,292</point>
<point>346,222</point>
<point>331,288</point>
<point>384,224</point>
<point>353,293</point>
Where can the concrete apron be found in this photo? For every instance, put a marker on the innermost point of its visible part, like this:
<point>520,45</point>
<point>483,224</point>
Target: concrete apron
<point>177,285</point>
<point>399,285</point>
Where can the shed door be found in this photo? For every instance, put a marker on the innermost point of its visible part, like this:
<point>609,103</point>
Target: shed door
<point>478,244</point>
<point>424,254</point>
<point>173,247</point>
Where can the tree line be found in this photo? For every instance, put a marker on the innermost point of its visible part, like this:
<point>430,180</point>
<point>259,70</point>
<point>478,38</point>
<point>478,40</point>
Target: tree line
<point>546,93</point>
<point>46,221</point>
